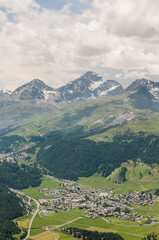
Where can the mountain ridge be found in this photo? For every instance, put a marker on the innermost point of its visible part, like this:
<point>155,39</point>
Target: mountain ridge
<point>90,85</point>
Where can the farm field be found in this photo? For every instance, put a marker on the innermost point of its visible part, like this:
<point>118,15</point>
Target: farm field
<point>134,232</point>
<point>54,219</point>
<point>46,236</point>
<point>129,230</point>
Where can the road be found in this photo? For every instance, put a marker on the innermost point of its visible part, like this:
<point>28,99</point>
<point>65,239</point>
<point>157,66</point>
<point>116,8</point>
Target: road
<point>74,220</point>
<point>37,209</point>
<point>124,225</point>
<point>30,224</point>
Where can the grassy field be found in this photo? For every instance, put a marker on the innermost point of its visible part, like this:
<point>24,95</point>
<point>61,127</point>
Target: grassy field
<point>154,211</point>
<point>46,183</point>
<point>134,180</point>
<point>46,236</point>
<point>63,235</point>
<point>23,222</point>
<point>119,221</point>
<point>54,219</point>
<point>34,232</point>
<point>96,181</point>
<point>142,210</point>
<point>128,232</point>
<point>128,229</point>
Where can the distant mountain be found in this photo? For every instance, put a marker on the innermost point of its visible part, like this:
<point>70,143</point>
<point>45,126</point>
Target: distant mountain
<point>144,90</point>
<point>5,93</point>
<point>89,86</point>
<point>35,90</point>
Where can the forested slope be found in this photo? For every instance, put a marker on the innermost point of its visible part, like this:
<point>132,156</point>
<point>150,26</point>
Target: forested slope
<point>11,207</point>
<point>73,157</point>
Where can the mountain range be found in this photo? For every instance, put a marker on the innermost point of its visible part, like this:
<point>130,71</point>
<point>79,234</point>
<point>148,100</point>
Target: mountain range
<point>35,98</point>
<point>88,86</point>
<point>87,124</point>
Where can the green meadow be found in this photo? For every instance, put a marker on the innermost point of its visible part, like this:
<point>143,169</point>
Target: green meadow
<point>148,182</point>
<point>47,182</point>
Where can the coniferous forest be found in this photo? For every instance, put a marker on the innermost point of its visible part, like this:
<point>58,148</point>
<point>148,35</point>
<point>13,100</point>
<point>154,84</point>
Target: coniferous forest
<point>92,235</point>
<point>19,177</point>
<point>74,157</point>
<point>11,207</point>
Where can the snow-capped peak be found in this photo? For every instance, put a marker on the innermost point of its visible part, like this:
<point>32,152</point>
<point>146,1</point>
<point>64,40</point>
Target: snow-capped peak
<point>89,86</point>
<point>151,87</point>
<point>5,92</point>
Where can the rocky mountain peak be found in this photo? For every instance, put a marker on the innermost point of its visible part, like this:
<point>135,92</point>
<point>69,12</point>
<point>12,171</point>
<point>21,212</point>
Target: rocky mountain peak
<point>140,82</point>
<point>89,86</point>
<point>36,89</point>
<point>92,76</point>
<point>143,87</point>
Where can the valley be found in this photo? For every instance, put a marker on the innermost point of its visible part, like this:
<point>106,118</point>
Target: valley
<point>84,156</point>
<point>53,216</point>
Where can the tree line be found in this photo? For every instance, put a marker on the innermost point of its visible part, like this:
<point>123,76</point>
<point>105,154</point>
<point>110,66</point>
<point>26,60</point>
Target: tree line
<point>92,235</point>
<point>72,157</point>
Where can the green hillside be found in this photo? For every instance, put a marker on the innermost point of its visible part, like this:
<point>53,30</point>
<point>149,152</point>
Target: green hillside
<point>101,118</point>
<point>83,138</point>
<point>139,177</point>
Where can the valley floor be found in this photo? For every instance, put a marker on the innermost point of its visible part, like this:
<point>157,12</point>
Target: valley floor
<point>46,226</point>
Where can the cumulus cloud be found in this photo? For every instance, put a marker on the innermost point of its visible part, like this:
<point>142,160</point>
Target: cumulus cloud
<point>118,39</point>
<point>15,6</point>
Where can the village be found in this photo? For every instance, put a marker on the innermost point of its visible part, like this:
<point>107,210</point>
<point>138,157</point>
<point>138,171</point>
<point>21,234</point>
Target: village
<point>95,202</point>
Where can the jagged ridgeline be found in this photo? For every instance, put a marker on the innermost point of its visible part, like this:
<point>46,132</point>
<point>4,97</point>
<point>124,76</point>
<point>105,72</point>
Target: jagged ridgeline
<point>35,98</point>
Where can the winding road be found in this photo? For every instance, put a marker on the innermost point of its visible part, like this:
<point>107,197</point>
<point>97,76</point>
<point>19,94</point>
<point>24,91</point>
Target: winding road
<point>30,224</point>
<point>37,210</point>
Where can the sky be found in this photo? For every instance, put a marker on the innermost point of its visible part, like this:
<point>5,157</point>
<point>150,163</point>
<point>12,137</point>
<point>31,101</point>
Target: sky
<point>59,40</point>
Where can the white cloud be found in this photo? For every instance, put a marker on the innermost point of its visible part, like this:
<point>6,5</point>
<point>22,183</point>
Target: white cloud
<point>15,6</point>
<point>57,46</point>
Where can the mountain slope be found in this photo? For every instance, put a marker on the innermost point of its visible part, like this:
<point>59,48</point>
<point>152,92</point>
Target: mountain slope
<point>36,89</point>
<point>72,156</point>
<point>143,89</point>
<point>89,86</point>
<point>94,135</point>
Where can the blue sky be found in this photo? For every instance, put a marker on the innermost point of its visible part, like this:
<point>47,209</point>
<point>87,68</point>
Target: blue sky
<point>77,6</point>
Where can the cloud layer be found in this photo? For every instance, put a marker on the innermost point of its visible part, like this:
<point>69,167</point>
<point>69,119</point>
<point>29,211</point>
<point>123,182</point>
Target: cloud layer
<point>118,39</point>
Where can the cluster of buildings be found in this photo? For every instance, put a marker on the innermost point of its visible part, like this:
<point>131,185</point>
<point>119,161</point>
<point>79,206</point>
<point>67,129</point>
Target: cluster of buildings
<point>15,154</point>
<point>95,202</point>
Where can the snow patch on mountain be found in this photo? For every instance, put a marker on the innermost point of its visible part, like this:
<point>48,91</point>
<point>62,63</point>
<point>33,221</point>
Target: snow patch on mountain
<point>155,93</point>
<point>95,85</point>
<point>151,87</point>
<point>104,93</point>
<point>5,92</point>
